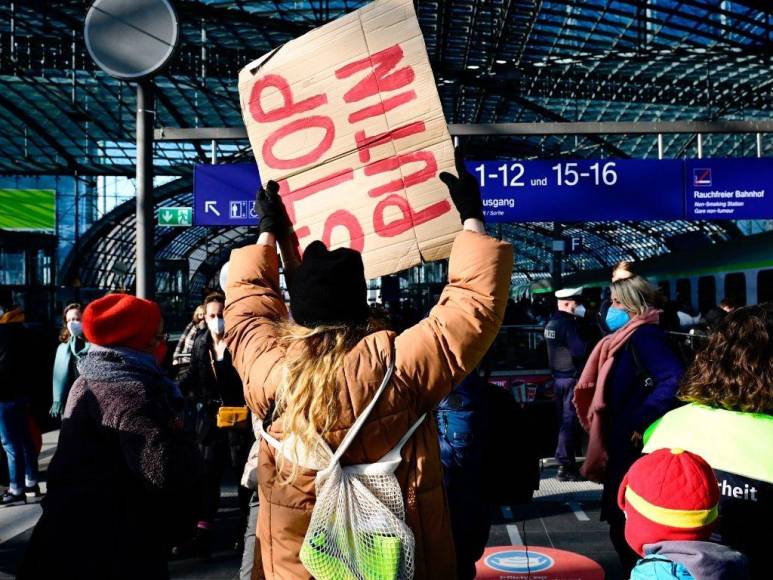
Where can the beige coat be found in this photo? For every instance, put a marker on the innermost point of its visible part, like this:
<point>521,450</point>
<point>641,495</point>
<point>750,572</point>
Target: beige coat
<point>430,358</point>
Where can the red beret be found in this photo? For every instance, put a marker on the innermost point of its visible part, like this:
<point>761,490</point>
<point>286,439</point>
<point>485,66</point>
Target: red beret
<point>670,494</point>
<point>121,320</point>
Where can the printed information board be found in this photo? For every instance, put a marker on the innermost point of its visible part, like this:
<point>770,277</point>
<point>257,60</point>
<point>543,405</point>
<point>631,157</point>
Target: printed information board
<point>583,190</point>
<point>224,195</point>
<point>729,188</point>
<point>568,191</point>
<point>348,121</point>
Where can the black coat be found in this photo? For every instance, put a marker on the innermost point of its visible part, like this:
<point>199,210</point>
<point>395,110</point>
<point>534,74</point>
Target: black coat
<point>14,361</point>
<point>209,381</point>
<point>120,471</point>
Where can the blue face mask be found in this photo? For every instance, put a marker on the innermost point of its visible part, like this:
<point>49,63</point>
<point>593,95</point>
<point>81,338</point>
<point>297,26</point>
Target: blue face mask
<point>616,318</point>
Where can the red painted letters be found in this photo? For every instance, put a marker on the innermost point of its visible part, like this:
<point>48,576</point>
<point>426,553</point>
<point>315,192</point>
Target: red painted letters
<point>378,81</point>
<point>345,219</point>
<point>392,163</point>
<point>288,109</point>
<point>409,218</point>
<point>365,144</point>
<point>303,124</point>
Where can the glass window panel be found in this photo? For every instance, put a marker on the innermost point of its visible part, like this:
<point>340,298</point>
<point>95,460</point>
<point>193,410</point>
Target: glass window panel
<point>12,268</point>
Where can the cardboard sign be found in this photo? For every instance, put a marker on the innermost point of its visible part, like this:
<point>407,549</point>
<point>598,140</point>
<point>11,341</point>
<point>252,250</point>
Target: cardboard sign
<point>348,121</point>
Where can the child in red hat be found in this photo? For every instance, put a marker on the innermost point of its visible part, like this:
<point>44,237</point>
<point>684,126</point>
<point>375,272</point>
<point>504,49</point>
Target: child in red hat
<point>670,500</point>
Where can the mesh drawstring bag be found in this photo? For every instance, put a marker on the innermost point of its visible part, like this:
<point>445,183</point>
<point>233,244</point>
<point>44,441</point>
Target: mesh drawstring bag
<point>357,529</point>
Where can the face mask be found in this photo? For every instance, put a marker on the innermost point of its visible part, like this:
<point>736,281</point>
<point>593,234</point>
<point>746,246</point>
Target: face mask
<point>2,310</point>
<point>75,328</point>
<point>160,353</point>
<point>216,326</point>
<point>580,311</point>
<point>616,318</point>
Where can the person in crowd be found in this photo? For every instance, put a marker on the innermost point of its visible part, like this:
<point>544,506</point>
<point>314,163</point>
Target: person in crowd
<point>122,464</point>
<point>566,354</point>
<point>670,502</point>
<point>72,348</point>
<point>181,359</point>
<point>729,421</point>
<point>463,425</point>
<point>620,271</point>
<point>629,381</point>
<point>316,373</point>
<point>15,361</point>
<point>212,382</point>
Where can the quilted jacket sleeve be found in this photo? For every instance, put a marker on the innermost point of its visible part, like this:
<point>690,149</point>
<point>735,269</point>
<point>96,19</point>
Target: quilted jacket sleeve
<point>442,349</point>
<point>253,307</point>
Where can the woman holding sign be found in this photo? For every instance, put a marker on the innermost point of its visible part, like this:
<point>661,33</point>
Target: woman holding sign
<point>314,375</point>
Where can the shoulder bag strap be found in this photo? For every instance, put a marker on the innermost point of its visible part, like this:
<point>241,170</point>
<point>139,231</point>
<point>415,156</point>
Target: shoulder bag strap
<point>355,429</point>
<point>642,372</point>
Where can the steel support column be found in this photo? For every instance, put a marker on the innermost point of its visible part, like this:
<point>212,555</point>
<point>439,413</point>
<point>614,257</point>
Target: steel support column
<point>145,277</point>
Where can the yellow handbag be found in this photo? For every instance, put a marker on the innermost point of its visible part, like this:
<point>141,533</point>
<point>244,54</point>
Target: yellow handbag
<point>230,417</point>
<point>233,417</point>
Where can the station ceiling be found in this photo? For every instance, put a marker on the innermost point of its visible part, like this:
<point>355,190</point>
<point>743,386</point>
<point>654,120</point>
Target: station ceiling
<point>494,61</point>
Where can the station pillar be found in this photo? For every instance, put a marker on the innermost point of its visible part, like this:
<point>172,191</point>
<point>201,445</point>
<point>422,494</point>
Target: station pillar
<point>557,255</point>
<point>145,278</point>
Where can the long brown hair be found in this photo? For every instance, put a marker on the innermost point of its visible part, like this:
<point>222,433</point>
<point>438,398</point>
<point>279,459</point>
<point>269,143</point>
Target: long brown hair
<point>735,370</point>
<point>307,398</point>
<point>64,334</point>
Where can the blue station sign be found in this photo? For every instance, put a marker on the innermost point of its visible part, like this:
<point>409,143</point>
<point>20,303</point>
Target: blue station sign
<point>728,188</point>
<point>224,195</point>
<point>558,190</point>
<point>583,190</point>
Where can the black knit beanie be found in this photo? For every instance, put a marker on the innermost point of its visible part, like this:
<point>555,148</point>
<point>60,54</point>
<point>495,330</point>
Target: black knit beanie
<point>329,288</point>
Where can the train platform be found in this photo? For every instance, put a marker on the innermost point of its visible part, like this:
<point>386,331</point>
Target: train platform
<point>562,516</point>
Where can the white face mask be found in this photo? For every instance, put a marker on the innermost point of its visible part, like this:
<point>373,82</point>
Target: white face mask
<point>579,311</point>
<point>2,310</point>
<point>216,326</point>
<point>75,328</point>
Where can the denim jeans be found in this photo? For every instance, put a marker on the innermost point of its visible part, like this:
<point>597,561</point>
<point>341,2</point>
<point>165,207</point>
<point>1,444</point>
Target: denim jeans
<point>18,445</point>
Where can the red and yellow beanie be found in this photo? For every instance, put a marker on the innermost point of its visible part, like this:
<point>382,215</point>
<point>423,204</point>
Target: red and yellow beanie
<point>121,320</point>
<point>668,495</point>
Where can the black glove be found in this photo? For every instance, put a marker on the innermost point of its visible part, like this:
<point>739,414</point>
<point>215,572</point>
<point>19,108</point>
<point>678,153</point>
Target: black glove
<point>271,210</point>
<point>465,190</point>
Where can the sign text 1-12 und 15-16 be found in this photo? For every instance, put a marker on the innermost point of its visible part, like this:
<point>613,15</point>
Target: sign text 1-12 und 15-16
<point>580,190</point>
<point>512,174</point>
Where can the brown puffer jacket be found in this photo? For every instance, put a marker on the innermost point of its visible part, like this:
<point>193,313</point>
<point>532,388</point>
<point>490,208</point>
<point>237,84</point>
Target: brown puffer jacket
<point>430,358</point>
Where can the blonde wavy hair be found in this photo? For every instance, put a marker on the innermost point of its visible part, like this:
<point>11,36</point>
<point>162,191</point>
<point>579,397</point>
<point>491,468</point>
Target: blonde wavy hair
<point>307,398</point>
<point>635,294</point>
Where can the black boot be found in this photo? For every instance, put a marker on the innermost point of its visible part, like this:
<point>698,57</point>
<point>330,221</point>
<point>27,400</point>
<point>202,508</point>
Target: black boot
<point>569,473</point>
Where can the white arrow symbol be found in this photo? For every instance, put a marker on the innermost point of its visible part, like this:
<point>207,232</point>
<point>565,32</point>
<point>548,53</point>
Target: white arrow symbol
<point>211,206</point>
<point>166,216</point>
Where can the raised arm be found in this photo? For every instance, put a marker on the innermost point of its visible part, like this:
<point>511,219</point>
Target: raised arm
<point>253,308</point>
<point>443,348</point>
<point>254,303</point>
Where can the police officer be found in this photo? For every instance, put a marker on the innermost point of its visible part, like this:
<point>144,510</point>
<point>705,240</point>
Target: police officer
<point>566,351</point>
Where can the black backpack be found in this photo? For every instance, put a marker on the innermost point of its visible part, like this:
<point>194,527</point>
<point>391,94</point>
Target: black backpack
<point>482,429</point>
<point>511,459</point>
